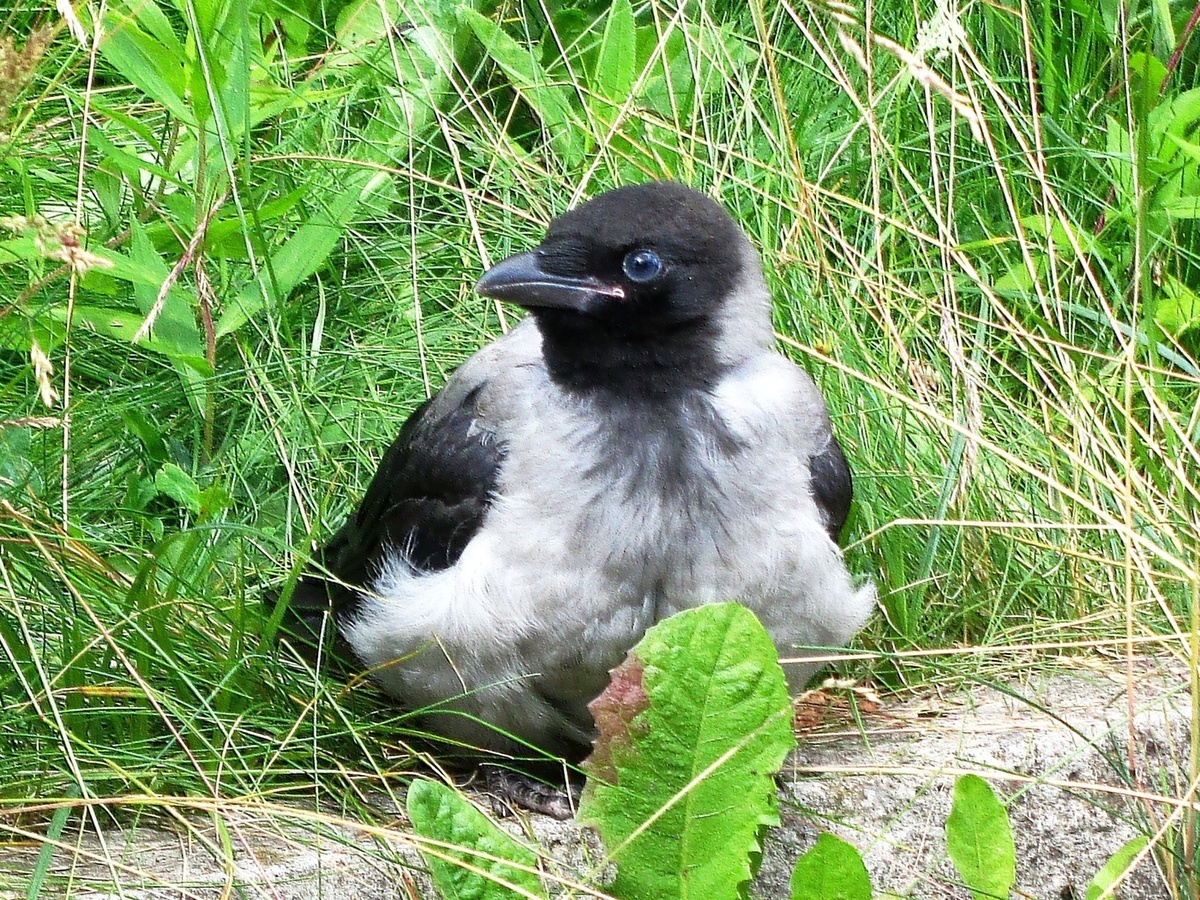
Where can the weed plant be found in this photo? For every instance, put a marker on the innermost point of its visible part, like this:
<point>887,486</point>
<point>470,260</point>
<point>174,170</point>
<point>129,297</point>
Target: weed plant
<point>239,242</point>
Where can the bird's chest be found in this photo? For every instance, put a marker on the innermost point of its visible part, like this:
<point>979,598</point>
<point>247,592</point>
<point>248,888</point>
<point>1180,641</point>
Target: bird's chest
<point>645,511</point>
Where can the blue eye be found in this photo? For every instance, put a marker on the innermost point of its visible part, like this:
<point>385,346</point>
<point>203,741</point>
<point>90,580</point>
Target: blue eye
<point>641,266</point>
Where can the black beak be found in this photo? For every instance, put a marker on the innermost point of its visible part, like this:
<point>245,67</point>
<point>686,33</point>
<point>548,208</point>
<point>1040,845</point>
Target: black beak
<point>521,279</point>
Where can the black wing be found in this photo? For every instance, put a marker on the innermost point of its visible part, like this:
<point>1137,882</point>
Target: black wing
<point>832,486</point>
<point>425,502</point>
<point>428,497</point>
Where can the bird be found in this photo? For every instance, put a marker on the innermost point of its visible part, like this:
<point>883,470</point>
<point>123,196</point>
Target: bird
<point>633,447</point>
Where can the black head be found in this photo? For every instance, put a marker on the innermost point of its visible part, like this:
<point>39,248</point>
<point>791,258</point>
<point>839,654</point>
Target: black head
<point>630,286</point>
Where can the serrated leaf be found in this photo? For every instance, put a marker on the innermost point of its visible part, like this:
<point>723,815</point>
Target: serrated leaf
<point>831,870</point>
<point>478,863</point>
<point>179,486</point>
<point>979,838</point>
<point>1115,869</point>
<point>692,750</point>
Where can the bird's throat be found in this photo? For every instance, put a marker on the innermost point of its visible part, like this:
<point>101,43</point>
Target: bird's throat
<point>587,358</point>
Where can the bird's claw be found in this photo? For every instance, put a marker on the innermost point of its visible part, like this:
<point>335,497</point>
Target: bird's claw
<point>509,790</point>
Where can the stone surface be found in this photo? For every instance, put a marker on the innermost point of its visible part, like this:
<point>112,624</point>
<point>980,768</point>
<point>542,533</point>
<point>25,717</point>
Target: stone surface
<point>1054,748</point>
<point>271,851</point>
<point>1057,747</point>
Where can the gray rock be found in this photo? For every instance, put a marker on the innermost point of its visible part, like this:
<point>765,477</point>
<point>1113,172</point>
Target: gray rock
<point>1058,748</point>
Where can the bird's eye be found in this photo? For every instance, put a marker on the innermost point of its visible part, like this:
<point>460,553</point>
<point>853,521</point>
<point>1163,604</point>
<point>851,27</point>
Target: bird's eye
<point>641,266</point>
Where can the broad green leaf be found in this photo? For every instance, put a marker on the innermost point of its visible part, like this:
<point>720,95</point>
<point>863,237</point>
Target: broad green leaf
<point>525,73</point>
<point>175,324</point>
<point>979,838</point>
<point>1064,236</point>
<point>174,330</point>
<point>210,15</point>
<point>362,23</point>
<point>1017,279</point>
<point>153,21</point>
<point>302,254</point>
<point>234,55</point>
<point>831,870</point>
<point>1178,116</point>
<point>472,866</point>
<point>1183,208</point>
<point>134,167</point>
<point>693,728</point>
<point>1115,869</point>
<point>1120,159</point>
<point>126,268</point>
<point>612,81</point>
<point>178,485</point>
<point>616,65</point>
<point>1177,309</point>
<point>127,126</point>
<point>147,432</point>
<point>155,67</point>
<point>19,249</point>
<point>1188,148</point>
<point>123,326</point>
<point>420,69</point>
<point>18,473</point>
<point>1150,68</point>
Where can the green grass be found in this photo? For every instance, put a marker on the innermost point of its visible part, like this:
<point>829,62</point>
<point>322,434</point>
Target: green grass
<point>988,261</point>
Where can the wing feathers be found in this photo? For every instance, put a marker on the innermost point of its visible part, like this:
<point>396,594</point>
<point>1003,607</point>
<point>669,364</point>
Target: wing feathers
<point>832,486</point>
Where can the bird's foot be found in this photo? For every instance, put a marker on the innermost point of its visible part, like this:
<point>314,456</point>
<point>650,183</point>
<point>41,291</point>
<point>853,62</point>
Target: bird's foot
<point>510,790</point>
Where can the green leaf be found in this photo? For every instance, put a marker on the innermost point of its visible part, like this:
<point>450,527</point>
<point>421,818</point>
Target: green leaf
<point>980,840</point>
<point>138,424</point>
<point>1179,116</point>
<point>175,333</point>
<point>179,486</point>
<point>1177,309</point>
<point>616,65</point>
<point>1115,869</point>
<point>478,864</point>
<point>232,55</point>
<point>693,728</point>
<point>421,69</point>
<point>152,20</point>
<point>156,64</point>
<point>302,254</point>
<point>1119,148</point>
<point>19,249</point>
<point>1150,68</point>
<point>123,326</point>
<point>18,473</point>
<point>613,78</point>
<point>529,78</point>
<point>831,870</point>
<point>1183,208</point>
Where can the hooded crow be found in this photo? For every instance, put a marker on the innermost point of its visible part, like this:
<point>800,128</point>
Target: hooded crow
<point>633,448</point>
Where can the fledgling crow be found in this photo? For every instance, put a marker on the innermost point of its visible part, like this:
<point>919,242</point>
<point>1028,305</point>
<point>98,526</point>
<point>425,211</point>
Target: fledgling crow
<point>633,448</point>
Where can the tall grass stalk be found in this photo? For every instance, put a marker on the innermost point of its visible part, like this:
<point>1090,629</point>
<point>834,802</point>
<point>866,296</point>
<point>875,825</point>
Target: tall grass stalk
<point>975,219</point>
